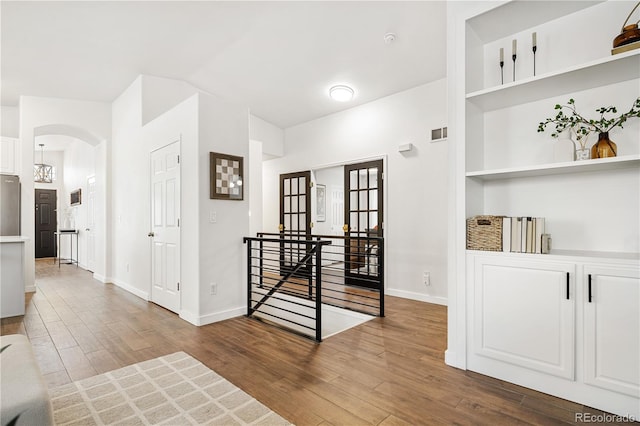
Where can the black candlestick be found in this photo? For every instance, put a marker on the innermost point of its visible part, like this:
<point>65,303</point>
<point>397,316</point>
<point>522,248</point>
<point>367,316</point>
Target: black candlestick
<point>514,66</point>
<point>501,72</point>
<point>534,59</point>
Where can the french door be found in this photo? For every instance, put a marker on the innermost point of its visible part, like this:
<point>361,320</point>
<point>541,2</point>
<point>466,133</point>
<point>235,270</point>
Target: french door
<point>295,220</point>
<point>363,212</point>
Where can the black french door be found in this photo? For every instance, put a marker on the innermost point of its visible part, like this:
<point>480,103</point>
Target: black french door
<point>295,220</point>
<point>363,209</point>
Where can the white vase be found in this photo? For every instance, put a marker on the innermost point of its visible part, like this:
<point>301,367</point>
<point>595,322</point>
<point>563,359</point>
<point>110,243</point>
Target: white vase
<point>564,149</point>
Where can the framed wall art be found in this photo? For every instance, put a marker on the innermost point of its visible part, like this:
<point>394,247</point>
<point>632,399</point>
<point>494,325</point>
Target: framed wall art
<point>226,175</point>
<point>321,203</point>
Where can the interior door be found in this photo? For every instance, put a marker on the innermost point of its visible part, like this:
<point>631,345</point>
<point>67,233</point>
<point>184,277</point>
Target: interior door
<point>363,215</point>
<point>46,222</point>
<point>295,219</point>
<point>165,223</point>
<point>90,230</point>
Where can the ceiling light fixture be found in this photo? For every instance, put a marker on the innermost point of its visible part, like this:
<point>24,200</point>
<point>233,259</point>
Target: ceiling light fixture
<point>341,93</point>
<point>43,173</point>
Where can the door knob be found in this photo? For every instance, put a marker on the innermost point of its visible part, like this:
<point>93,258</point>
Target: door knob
<point>151,234</point>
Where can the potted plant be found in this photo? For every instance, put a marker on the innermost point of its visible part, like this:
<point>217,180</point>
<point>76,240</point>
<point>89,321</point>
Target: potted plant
<point>582,126</point>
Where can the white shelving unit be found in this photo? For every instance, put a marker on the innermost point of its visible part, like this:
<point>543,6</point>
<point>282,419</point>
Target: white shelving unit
<point>503,166</point>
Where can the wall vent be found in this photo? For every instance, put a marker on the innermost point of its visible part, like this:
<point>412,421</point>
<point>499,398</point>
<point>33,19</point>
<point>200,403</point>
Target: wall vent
<point>438,135</point>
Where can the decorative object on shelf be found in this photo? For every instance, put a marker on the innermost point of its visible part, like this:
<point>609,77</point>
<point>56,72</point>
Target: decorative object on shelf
<point>564,149</point>
<point>501,65</point>
<point>226,175</point>
<point>582,126</point>
<point>534,42</point>
<point>484,233</point>
<point>546,243</point>
<point>514,45</point>
<point>583,152</point>
<point>629,35</point>
<point>604,148</point>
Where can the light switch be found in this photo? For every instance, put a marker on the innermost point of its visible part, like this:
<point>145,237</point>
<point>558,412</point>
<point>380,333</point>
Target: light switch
<point>213,217</point>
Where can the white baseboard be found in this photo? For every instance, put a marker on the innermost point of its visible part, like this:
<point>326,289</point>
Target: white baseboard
<point>213,317</point>
<point>100,278</point>
<point>30,289</point>
<point>438,300</point>
<point>135,291</point>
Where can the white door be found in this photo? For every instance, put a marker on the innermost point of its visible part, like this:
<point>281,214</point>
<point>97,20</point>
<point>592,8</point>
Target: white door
<point>612,329</point>
<point>165,227</point>
<point>90,230</point>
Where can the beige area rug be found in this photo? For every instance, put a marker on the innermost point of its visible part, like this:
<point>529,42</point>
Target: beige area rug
<point>171,390</point>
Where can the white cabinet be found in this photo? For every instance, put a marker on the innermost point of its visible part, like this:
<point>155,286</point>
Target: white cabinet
<point>612,329</point>
<point>564,325</point>
<point>525,313</point>
<point>9,156</point>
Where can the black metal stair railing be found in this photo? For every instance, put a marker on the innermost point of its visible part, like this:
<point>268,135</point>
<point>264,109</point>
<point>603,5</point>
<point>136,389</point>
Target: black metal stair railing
<point>273,287</point>
<point>352,270</point>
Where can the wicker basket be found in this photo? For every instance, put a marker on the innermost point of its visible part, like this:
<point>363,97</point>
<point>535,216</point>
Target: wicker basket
<point>484,233</point>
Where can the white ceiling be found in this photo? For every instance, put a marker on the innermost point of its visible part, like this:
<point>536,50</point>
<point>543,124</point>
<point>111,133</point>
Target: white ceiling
<point>277,58</point>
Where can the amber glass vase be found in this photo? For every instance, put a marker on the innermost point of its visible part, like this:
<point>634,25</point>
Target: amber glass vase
<point>604,148</point>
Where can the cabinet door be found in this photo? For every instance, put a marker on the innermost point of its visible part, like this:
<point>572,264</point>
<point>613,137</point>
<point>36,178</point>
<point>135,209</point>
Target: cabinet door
<point>612,329</point>
<point>524,313</point>
<point>8,158</point>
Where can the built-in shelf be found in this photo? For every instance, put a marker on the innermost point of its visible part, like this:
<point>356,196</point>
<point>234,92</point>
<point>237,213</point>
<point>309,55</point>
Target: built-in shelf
<point>586,255</point>
<point>511,17</point>
<point>558,168</point>
<point>609,70</point>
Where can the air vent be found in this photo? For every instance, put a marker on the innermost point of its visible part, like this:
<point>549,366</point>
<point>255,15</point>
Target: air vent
<point>438,135</point>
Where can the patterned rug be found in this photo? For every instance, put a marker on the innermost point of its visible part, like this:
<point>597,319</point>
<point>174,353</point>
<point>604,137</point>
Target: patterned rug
<point>171,390</point>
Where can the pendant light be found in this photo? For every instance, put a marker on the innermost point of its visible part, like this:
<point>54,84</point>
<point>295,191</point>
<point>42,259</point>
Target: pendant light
<point>42,173</point>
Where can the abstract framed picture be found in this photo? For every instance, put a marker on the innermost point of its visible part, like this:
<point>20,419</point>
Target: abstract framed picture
<point>321,203</point>
<point>226,176</point>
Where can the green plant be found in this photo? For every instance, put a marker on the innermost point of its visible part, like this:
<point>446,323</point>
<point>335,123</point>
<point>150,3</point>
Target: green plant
<point>582,126</point>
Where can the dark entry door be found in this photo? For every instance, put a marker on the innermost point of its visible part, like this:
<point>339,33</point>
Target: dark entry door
<point>364,220</point>
<point>46,222</point>
<point>295,220</point>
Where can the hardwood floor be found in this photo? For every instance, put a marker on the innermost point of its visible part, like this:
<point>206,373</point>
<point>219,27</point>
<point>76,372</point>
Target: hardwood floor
<point>388,371</point>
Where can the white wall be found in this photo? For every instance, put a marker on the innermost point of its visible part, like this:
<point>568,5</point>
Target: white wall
<point>129,189</point>
<point>179,124</point>
<point>9,121</point>
<point>79,163</point>
<point>224,128</point>
<point>35,113</point>
<point>416,182</point>
<point>271,136</point>
<point>210,253</point>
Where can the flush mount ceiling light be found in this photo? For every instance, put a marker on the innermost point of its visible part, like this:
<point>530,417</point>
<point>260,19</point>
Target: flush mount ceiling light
<point>341,93</point>
<point>43,173</point>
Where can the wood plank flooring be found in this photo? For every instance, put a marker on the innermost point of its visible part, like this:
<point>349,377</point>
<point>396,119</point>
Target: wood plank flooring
<point>388,371</point>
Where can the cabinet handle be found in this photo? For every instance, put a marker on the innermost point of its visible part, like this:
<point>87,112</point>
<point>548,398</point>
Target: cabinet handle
<point>589,288</point>
<point>567,286</point>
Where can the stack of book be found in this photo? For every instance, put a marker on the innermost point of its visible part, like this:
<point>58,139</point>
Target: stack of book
<point>522,234</point>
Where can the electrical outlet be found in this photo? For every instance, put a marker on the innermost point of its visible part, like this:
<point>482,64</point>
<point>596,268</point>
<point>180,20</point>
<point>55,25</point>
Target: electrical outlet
<point>214,289</point>
<point>426,278</point>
